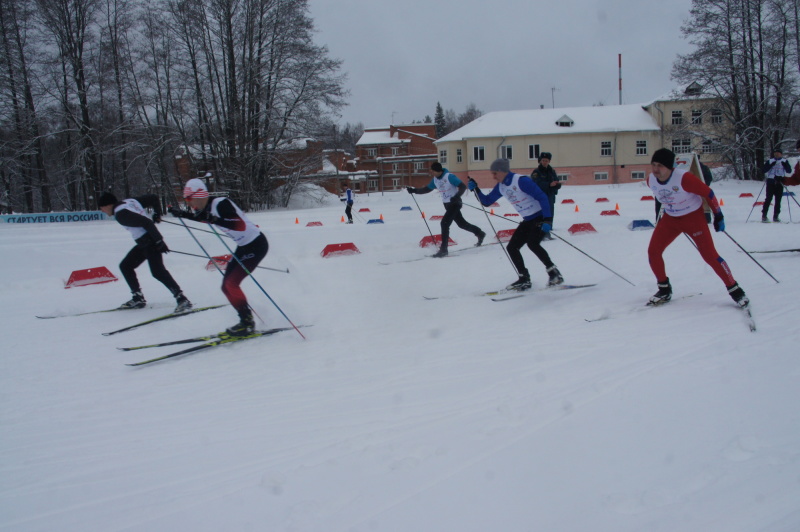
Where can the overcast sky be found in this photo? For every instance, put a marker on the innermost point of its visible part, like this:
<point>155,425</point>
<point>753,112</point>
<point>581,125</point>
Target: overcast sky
<point>402,56</point>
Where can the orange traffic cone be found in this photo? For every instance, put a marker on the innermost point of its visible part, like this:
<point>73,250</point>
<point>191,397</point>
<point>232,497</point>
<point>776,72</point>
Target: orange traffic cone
<point>342,218</point>
<point>423,214</point>
<point>616,207</point>
<point>721,202</point>
<point>576,208</point>
<point>297,220</point>
<point>491,211</point>
<point>381,216</point>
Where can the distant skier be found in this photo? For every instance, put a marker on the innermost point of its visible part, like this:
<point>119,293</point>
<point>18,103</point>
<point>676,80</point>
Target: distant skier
<point>546,178</point>
<point>252,245</point>
<point>537,220</point>
<point>451,188</point>
<point>150,245</point>
<point>776,170</point>
<point>348,199</point>
<point>682,193</point>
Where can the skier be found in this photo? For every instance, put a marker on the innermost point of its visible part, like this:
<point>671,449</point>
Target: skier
<point>348,199</point>
<point>451,188</point>
<point>682,194</point>
<point>537,220</point>
<point>776,170</point>
<point>546,178</point>
<point>252,245</point>
<point>131,215</point>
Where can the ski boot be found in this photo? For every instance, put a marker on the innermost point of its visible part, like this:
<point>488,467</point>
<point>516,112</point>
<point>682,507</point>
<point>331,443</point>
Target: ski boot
<point>521,284</point>
<point>481,236</point>
<point>137,301</point>
<point>245,327</point>
<point>738,295</point>
<point>183,303</point>
<point>439,254</point>
<point>555,276</point>
<point>663,295</point>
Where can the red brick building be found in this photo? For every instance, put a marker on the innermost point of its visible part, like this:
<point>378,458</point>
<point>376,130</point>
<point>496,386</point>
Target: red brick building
<point>396,156</point>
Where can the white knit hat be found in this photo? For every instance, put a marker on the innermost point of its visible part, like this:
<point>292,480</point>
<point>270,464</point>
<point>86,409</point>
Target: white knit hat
<point>195,188</point>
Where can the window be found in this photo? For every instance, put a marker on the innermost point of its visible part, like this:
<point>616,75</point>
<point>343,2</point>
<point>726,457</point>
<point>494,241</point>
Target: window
<point>372,152</point>
<point>605,148</point>
<point>562,177</point>
<point>419,166</point>
<point>478,153</point>
<point>459,156</point>
<point>395,150</point>
<point>637,175</point>
<point>716,116</point>
<point>677,118</point>
<point>682,145</point>
<point>506,152</point>
<point>533,151</point>
<point>697,116</point>
<point>395,182</point>
<point>601,176</point>
<point>372,184</point>
<point>443,156</point>
<point>709,146</point>
<point>641,147</point>
<point>395,168</point>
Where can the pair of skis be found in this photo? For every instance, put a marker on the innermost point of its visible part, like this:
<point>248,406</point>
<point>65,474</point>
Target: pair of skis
<point>506,294</point>
<point>209,341</point>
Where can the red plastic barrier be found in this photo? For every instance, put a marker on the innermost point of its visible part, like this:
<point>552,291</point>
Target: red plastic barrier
<point>758,203</point>
<point>568,201</point>
<point>647,198</point>
<point>609,213</point>
<point>505,235</point>
<point>601,200</point>
<point>364,209</point>
<point>221,261</point>
<point>511,214</point>
<point>335,250</point>
<point>745,195</point>
<point>435,241</point>
<point>436,217</point>
<point>581,228</point>
<point>90,276</point>
<point>313,224</point>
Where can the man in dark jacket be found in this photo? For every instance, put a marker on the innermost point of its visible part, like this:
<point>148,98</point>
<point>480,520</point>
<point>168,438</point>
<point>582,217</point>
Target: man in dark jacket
<point>131,215</point>
<point>546,178</point>
<point>776,170</point>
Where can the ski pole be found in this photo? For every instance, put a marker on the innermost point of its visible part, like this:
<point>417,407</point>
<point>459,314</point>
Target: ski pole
<point>256,281</point>
<point>423,218</point>
<point>195,228</point>
<point>597,261</point>
<point>756,201</point>
<point>751,256</point>
<point>495,231</point>
<point>208,255</point>
<point>203,257</point>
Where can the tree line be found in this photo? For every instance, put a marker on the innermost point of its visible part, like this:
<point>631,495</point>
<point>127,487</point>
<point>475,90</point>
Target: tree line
<point>100,95</point>
<point>747,54</point>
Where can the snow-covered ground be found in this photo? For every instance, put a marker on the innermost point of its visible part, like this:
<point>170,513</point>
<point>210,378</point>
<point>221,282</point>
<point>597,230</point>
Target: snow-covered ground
<point>401,414</point>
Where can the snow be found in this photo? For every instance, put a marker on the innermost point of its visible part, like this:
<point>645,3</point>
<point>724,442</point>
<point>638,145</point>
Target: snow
<point>400,414</point>
<point>597,119</point>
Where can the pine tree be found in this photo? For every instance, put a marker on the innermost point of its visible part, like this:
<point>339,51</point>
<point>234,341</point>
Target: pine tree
<point>438,120</point>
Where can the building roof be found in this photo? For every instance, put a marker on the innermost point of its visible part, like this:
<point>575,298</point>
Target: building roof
<point>600,119</point>
<point>379,136</point>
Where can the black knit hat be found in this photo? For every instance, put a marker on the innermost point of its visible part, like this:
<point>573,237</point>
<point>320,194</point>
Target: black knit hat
<point>106,198</point>
<point>436,166</point>
<point>664,157</point>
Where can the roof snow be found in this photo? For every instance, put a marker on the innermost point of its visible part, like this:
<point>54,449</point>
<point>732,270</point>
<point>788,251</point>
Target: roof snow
<point>382,136</point>
<point>601,119</point>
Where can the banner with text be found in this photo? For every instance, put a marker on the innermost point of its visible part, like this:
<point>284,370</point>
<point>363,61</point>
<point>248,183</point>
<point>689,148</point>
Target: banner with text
<point>54,217</point>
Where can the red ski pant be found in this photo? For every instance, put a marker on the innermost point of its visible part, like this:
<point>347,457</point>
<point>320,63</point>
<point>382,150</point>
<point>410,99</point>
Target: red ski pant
<point>694,225</point>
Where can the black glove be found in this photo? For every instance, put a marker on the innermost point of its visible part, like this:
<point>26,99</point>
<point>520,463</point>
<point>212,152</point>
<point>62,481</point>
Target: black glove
<point>156,218</point>
<point>161,246</point>
<point>177,212</point>
<point>719,222</point>
<point>411,190</point>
